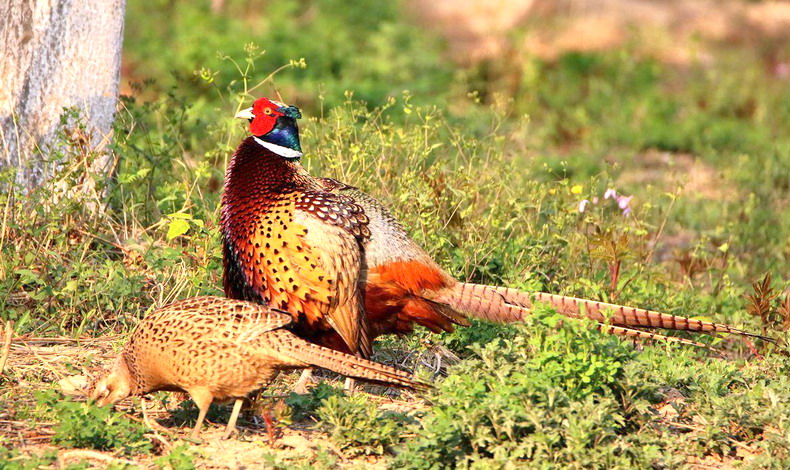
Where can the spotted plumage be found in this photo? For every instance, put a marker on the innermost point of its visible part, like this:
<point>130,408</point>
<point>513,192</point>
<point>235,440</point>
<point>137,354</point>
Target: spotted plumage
<point>336,209</point>
<point>217,349</point>
<point>293,246</point>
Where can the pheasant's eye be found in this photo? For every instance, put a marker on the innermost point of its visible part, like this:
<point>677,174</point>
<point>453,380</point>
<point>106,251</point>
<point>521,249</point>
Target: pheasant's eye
<point>267,111</point>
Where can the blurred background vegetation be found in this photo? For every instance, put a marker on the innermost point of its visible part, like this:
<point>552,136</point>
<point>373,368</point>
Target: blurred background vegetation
<point>484,125</point>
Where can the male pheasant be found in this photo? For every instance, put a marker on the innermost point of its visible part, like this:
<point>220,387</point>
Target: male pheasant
<point>216,348</point>
<point>338,260</point>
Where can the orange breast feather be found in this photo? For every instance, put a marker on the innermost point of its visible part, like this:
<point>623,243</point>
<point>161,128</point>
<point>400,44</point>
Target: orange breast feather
<point>282,268</point>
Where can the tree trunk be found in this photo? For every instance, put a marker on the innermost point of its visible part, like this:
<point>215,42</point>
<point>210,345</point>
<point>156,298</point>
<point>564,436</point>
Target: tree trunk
<point>56,54</point>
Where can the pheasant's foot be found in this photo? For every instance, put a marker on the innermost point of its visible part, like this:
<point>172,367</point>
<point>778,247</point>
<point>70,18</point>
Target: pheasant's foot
<point>304,379</point>
<point>269,420</point>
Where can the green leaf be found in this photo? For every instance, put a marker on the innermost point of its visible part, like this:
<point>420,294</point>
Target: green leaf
<point>177,228</point>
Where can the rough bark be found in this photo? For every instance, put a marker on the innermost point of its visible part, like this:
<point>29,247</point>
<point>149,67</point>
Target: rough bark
<point>55,54</point>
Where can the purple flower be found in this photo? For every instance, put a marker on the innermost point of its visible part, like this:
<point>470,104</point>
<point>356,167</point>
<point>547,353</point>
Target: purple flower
<point>610,193</point>
<point>622,201</point>
<point>583,205</point>
<point>782,70</point>
<point>626,211</point>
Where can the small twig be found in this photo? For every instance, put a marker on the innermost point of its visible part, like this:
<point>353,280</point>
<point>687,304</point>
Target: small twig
<point>6,211</point>
<point>660,229</point>
<point>167,446</point>
<point>614,274</point>
<point>752,348</point>
<point>35,340</point>
<point>9,332</point>
<point>101,239</point>
<point>153,428</point>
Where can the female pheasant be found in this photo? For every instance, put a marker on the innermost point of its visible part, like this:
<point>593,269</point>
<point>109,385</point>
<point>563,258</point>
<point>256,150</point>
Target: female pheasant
<point>216,348</point>
<point>317,247</point>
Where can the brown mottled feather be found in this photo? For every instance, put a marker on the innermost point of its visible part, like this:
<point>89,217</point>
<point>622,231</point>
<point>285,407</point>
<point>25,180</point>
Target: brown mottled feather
<point>223,348</point>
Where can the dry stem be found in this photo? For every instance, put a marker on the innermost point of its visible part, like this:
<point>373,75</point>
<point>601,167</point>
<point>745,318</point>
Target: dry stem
<point>9,332</point>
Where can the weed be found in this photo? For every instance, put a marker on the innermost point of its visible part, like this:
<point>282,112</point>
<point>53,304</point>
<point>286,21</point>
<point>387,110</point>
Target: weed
<point>12,459</point>
<point>179,458</point>
<point>358,427</point>
<point>86,425</point>
<point>543,396</point>
<point>305,406</point>
<point>761,303</point>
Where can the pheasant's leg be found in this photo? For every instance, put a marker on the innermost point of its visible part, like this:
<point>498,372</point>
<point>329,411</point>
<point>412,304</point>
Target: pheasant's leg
<point>233,417</point>
<point>350,385</point>
<point>267,418</point>
<point>304,379</point>
<point>202,398</point>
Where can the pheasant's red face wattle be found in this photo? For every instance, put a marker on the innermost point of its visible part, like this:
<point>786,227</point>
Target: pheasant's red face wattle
<point>266,114</point>
<point>273,124</point>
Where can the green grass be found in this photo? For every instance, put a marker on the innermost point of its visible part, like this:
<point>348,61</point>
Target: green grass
<point>489,182</point>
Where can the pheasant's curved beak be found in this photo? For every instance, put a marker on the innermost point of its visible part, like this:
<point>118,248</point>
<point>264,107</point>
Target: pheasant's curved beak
<point>245,114</point>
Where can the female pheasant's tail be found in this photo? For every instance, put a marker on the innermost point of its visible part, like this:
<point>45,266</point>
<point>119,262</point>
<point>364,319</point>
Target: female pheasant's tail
<point>306,354</point>
<point>505,305</point>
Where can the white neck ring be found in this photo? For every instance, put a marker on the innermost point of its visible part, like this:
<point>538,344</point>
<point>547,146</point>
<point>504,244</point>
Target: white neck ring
<point>284,152</point>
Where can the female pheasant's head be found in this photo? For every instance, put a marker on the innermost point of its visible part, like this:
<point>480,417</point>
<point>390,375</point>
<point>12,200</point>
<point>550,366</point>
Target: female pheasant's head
<point>273,125</point>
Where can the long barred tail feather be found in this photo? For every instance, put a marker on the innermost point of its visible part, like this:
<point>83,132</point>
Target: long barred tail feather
<point>640,334</point>
<point>309,354</point>
<point>505,305</point>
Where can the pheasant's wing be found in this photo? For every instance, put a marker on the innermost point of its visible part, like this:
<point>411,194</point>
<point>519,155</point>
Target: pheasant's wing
<point>331,184</point>
<point>222,309</point>
<point>303,256</point>
<point>341,282</point>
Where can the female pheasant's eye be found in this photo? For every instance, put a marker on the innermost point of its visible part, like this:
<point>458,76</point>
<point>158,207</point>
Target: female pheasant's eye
<point>267,111</point>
